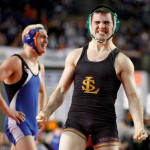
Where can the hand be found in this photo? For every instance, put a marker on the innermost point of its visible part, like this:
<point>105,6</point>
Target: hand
<point>139,136</point>
<point>42,119</point>
<point>16,115</point>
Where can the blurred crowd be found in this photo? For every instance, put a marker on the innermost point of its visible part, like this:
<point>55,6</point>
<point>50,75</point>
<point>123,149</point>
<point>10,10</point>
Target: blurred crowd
<point>126,132</point>
<point>65,21</point>
<point>65,28</point>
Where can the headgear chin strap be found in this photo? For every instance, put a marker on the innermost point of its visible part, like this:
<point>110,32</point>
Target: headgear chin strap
<point>116,21</point>
<point>31,37</point>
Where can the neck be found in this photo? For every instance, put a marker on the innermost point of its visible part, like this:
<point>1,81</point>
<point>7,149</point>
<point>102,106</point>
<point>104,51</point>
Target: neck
<point>100,47</point>
<point>30,55</point>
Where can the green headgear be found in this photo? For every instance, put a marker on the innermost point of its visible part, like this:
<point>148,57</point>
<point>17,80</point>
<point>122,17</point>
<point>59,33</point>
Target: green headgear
<point>116,21</point>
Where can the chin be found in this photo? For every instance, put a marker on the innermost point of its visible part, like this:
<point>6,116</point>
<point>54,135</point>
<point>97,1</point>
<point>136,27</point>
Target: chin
<point>41,53</point>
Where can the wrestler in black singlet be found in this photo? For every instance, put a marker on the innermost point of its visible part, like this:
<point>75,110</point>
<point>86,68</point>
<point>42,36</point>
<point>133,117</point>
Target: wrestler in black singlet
<point>92,111</point>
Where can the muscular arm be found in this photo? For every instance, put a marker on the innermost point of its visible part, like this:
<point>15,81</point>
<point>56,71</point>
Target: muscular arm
<point>57,97</point>
<point>7,69</point>
<point>42,93</point>
<point>129,84</point>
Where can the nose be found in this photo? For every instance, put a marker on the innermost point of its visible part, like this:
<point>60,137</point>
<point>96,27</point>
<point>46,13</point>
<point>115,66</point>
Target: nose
<point>102,25</point>
<point>46,39</point>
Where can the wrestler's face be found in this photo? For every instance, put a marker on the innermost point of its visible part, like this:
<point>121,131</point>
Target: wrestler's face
<point>42,41</point>
<point>102,25</point>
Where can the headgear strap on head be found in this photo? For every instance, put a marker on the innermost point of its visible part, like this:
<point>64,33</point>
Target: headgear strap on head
<point>116,21</point>
<point>31,37</point>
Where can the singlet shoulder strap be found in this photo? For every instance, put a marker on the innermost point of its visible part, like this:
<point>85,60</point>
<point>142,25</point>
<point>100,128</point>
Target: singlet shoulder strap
<point>25,64</point>
<point>114,54</point>
<point>85,47</point>
<point>23,61</point>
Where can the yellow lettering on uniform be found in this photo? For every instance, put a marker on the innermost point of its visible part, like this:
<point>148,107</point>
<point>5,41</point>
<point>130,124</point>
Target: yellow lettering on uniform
<point>89,86</point>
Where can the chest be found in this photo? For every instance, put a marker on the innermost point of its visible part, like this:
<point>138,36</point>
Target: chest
<point>34,68</point>
<point>95,56</point>
<point>103,69</point>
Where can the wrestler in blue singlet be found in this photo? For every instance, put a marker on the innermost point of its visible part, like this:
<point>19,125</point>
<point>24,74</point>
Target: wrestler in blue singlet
<point>23,96</point>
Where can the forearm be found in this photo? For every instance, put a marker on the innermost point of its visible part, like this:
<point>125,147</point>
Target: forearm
<point>136,110</point>
<point>3,106</point>
<point>42,100</point>
<point>55,101</point>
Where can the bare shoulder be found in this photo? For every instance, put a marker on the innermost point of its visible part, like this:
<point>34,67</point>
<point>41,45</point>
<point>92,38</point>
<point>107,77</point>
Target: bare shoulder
<point>124,62</point>
<point>10,69</point>
<point>12,61</point>
<point>74,55</point>
<point>42,66</point>
<point>75,52</point>
<point>123,59</point>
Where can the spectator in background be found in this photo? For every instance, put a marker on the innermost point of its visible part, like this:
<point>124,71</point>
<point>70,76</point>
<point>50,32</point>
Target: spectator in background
<point>55,136</point>
<point>4,142</point>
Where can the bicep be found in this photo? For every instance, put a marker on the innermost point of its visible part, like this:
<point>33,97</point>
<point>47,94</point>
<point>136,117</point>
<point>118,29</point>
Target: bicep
<point>42,86</point>
<point>128,79</point>
<point>6,69</point>
<point>68,74</point>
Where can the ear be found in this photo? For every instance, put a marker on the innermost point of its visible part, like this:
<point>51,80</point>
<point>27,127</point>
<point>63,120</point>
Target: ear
<point>88,24</point>
<point>117,25</point>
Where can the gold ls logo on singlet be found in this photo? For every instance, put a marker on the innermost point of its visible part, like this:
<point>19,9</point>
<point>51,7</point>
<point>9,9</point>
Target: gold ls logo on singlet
<point>88,86</point>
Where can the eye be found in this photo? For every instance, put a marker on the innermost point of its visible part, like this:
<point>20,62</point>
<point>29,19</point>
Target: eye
<point>42,36</point>
<point>106,22</point>
<point>97,22</point>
